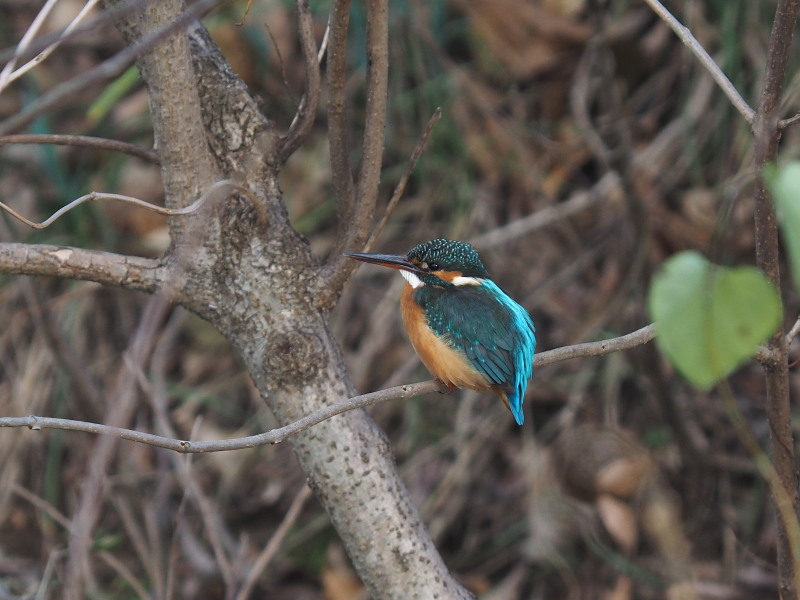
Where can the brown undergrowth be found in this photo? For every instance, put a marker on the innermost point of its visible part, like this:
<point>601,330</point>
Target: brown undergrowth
<point>624,483</point>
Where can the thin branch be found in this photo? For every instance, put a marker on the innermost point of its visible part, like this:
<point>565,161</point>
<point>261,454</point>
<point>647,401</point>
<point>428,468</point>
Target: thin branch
<point>550,214</point>
<point>767,356</point>
<point>40,44</point>
<point>246,13</point>
<point>271,549</point>
<point>270,437</point>
<point>625,342</point>
<point>307,111</point>
<point>226,184</point>
<point>784,123</point>
<point>778,407</point>
<point>84,141</point>
<point>62,520</point>
<point>700,53</point>
<point>793,332</point>
<point>355,217</point>
<point>8,70</point>
<point>377,89</point>
<point>323,46</point>
<point>766,148</point>
<point>105,70</point>
<point>341,171</point>
<point>7,76</point>
<point>401,185</point>
<point>637,338</point>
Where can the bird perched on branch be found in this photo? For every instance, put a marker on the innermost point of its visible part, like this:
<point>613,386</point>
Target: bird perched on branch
<point>467,331</point>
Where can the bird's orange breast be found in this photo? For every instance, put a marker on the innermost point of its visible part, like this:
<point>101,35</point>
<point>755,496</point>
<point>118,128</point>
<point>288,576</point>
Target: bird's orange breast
<point>445,363</point>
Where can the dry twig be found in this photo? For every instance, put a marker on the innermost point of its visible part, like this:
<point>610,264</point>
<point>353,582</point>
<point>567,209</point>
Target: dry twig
<point>401,185</point>
<point>767,133</point>
<point>105,70</point>
<point>225,184</point>
<point>84,141</point>
<point>10,74</point>
<point>700,53</point>
<point>271,549</point>
<point>637,338</point>
<point>304,119</point>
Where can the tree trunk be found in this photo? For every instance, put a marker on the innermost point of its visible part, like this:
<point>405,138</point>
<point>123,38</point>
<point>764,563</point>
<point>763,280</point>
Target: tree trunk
<point>243,267</point>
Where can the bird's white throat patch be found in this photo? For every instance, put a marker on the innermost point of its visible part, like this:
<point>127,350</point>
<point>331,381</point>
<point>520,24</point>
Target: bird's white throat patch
<point>414,281</point>
<point>461,280</point>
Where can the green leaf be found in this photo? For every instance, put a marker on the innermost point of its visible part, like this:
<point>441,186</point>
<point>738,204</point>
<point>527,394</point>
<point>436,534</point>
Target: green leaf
<point>112,94</point>
<point>710,319</point>
<point>784,184</point>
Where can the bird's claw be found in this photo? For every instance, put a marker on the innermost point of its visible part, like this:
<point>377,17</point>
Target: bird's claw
<point>444,388</point>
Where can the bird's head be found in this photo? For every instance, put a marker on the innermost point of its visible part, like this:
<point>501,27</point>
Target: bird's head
<point>439,263</point>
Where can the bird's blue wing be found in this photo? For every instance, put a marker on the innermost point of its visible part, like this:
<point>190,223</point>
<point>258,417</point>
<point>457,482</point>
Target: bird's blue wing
<point>494,332</point>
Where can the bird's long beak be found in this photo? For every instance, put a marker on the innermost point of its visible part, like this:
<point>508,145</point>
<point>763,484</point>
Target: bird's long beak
<point>393,261</point>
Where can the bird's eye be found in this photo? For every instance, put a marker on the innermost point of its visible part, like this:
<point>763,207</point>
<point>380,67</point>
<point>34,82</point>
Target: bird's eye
<point>433,266</point>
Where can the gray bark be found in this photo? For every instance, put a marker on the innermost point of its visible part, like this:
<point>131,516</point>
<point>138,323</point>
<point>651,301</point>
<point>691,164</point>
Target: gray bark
<point>242,266</point>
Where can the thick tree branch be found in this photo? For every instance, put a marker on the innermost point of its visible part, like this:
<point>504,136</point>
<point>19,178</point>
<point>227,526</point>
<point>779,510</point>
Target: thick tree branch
<point>117,270</point>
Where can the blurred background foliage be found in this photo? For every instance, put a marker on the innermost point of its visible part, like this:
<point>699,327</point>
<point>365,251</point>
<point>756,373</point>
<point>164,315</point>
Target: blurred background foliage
<point>580,146</point>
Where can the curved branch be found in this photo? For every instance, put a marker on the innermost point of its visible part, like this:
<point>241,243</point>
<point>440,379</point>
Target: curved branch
<point>270,437</point>
<point>118,270</point>
<point>170,212</point>
<point>307,111</point>
<point>83,141</point>
<point>637,338</point>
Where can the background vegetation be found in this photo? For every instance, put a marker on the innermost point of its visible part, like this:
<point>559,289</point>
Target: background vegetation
<point>580,146</point>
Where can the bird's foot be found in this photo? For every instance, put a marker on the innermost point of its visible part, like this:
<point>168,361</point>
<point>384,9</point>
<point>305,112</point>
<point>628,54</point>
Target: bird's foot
<point>444,388</point>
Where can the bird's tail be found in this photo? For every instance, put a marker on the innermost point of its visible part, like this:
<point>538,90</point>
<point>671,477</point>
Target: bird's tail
<point>513,403</point>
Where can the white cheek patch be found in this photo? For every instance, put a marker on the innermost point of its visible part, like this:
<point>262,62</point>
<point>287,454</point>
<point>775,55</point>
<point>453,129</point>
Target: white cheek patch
<point>414,281</point>
<point>460,280</point>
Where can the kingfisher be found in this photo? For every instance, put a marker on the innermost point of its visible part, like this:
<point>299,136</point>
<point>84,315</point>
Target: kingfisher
<point>466,330</point>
